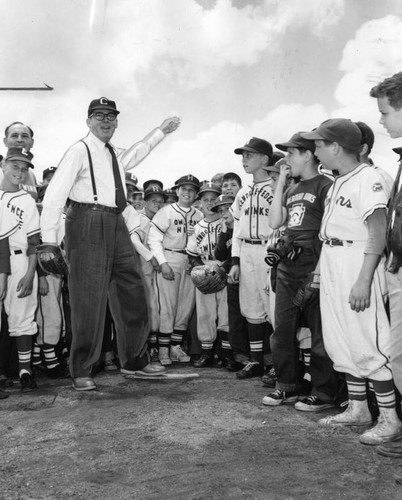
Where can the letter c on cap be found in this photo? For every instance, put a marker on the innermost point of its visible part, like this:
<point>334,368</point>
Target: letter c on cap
<point>103,100</point>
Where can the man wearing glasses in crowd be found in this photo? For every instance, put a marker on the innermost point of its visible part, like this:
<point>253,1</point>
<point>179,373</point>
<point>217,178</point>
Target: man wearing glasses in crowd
<point>103,263</point>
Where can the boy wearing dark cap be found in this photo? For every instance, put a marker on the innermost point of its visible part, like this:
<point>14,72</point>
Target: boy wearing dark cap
<point>389,99</point>
<point>20,301</point>
<point>154,200</point>
<point>300,208</point>
<point>355,324</point>
<point>212,309</point>
<point>168,236</point>
<point>250,234</point>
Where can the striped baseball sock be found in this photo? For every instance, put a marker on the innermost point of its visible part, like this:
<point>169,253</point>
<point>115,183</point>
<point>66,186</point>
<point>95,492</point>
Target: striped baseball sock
<point>256,340</point>
<point>225,350</point>
<point>207,348</point>
<point>153,340</point>
<point>50,356</point>
<point>24,348</point>
<point>177,337</point>
<point>164,339</point>
<point>385,393</point>
<point>356,388</point>
<point>36,357</point>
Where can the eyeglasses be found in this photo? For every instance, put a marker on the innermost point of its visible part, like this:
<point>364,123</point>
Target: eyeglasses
<point>101,116</point>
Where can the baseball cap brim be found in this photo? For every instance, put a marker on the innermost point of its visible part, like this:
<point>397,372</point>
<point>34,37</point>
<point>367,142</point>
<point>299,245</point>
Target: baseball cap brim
<point>103,108</point>
<point>312,136</point>
<point>239,151</point>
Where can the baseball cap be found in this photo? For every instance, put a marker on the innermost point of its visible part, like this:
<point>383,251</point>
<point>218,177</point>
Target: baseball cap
<point>367,134</point>
<point>256,145</point>
<point>209,187</point>
<point>223,199</point>
<point>154,190</point>
<point>277,167</point>
<point>171,192</point>
<point>102,103</point>
<point>297,141</point>
<point>340,130</point>
<point>152,181</point>
<point>20,155</point>
<point>132,180</point>
<point>47,171</point>
<point>188,179</point>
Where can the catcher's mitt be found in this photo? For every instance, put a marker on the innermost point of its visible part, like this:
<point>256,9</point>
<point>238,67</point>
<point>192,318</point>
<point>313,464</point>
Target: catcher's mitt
<point>58,265</point>
<point>209,279</point>
<point>309,292</point>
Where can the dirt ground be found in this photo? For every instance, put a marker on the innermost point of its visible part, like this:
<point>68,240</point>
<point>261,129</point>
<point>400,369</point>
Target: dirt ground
<point>207,438</point>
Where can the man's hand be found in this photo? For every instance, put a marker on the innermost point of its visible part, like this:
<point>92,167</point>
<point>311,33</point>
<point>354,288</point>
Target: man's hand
<point>43,288</point>
<point>170,124</point>
<point>359,298</point>
<point>3,285</point>
<point>234,274</point>
<point>25,285</point>
<point>167,271</point>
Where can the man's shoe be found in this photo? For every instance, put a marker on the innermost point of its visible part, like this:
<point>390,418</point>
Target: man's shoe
<point>279,397</point>
<point>314,404</point>
<point>205,361</point>
<point>150,370</point>
<point>269,379</point>
<point>59,371</point>
<point>233,366</point>
<point>163,356</point>
<point>28,384</point>
<point>178,355</point>
<point>251,369</point>
<point>84,384</point>
<point>3,395</point>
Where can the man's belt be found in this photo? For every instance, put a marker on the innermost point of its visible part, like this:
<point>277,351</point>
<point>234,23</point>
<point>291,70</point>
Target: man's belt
<point>176,251</point>
<point>94,206</point>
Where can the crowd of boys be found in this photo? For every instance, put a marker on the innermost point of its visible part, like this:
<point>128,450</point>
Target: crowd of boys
<point>312,248</point>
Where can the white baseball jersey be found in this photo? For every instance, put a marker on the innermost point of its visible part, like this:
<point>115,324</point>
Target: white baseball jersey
<point>350,200</point>
<point>204,239</point>
<point>140,238</point>
<point>170,229</point>
<point>20,210</point>
<point>250,211</point>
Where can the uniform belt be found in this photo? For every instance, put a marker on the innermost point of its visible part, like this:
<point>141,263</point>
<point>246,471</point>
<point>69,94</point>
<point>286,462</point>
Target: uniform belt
<point>255,242</point>
<point>338,243</point>
<point>16,252</point>
<point>177,251</point>
<point>94,206</point>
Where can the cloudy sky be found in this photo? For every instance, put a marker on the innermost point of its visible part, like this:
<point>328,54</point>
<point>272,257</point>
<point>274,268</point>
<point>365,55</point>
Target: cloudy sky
<point>231,69</point>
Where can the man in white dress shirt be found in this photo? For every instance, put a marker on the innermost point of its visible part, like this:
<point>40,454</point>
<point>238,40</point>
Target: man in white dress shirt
<point>103,263</point>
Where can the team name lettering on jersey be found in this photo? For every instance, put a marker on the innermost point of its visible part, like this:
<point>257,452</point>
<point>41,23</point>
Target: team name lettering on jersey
<point>256,211</point>
<point>343,202</point>
<point>301,196</point>
<point>15,210</point>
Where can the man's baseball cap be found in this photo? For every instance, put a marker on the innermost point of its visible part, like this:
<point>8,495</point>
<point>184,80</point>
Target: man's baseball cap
<point>340,130</point>
<point>188,179</point>
<point>209,187</point>
<point>367,134</point>
<point>102,104</point>
<point>297,141</point>
<point>223,199</point>
<point>154,190</point>
<point>20,155</point>
<point>152,181</point>
<point>256,145</point>
<point>47,171</point>
<point>131,180</point>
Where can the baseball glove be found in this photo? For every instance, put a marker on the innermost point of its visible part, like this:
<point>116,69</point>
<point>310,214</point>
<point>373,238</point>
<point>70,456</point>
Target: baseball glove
<point>209,279</point>
<point>309,292</point>
<point>58,265</point>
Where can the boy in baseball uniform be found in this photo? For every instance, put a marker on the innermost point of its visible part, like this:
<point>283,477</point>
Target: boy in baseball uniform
<point>154,200</point>
<point>300,208</point>
<point>354,319</point>
<point>389,100</point>
<point>212,309</point>
<point>20,301</point>
<point>250,234</point>
<point>168,236</point>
